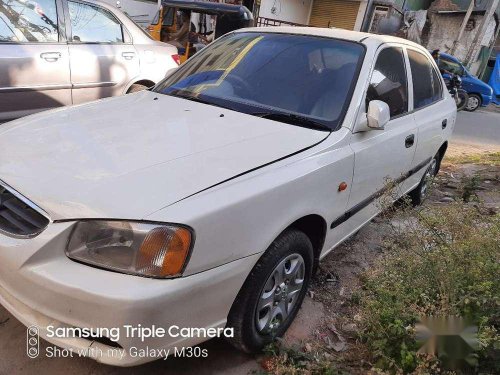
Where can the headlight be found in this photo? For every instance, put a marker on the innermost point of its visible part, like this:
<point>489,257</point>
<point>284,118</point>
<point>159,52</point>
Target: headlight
<point>154,250</point>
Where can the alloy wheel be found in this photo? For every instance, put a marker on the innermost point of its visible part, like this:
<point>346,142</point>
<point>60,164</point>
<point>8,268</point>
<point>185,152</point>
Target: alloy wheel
<point>472,103</point>
<point>429,176</point>
<point>280,293</point>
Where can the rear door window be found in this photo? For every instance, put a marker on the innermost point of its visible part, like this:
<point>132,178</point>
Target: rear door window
<point>426,81</point>
<point>92,24</point>
<point>28,21</point>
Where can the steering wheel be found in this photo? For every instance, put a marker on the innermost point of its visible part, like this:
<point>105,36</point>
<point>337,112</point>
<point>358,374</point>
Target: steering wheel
<point>240,84</point>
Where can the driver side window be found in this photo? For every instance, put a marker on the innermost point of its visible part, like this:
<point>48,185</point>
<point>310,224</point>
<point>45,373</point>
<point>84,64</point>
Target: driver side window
<point>388,82</point>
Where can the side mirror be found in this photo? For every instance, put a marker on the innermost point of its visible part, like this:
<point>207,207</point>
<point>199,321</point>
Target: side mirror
<point>378,114</point>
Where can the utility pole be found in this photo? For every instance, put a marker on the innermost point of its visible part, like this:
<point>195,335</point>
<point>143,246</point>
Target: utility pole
<point>462,27</point>
<point>478,38</point>
<point>491,47</point>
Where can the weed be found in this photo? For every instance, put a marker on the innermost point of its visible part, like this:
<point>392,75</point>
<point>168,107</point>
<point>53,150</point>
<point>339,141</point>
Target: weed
<point>281,360</point>
<point>469,188</point>
<point>489,158</point>
<point>444,263</point>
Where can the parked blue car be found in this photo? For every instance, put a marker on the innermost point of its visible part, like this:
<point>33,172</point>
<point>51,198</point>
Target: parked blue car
<point>480,93</point>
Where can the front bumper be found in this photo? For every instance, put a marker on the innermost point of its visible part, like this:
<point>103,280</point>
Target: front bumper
<point>40,286</point>
<point>486,100</point>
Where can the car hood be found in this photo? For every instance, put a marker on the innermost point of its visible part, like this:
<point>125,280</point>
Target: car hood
<point>475,84</point>
<point>130,156</point>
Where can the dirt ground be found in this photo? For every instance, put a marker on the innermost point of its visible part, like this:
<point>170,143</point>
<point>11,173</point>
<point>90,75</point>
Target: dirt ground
<point>338,278</point>
<point>326,319</point>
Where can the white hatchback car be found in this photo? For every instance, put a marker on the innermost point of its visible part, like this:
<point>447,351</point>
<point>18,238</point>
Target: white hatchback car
<point>208,201</point>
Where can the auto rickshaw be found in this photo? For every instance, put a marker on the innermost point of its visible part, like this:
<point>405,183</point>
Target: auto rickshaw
<point>190,25</point>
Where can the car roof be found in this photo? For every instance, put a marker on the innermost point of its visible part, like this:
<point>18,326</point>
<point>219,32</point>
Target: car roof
<point>355,36</point>
<point>450,57</point>
<point>207,7</point>
<point>102,3</point>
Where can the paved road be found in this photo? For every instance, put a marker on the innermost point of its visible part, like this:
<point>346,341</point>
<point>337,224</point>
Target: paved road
<point>479,127</point>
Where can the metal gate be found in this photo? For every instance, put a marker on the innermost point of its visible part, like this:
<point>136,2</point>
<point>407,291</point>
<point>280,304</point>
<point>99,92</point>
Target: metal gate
<point>336,13</point>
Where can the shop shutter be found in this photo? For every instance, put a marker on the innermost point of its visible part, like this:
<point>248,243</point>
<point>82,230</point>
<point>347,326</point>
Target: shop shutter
<point>334,13</point>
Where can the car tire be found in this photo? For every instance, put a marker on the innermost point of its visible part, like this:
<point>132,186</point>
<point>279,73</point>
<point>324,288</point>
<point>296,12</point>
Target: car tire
<point>473,103</point>
<point>419,194</point>
<point>463,99</point>
<point>257,312</point>
<point>136,87</point>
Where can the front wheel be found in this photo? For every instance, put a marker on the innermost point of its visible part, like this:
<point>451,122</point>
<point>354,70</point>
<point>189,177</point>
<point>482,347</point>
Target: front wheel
<point>473,103</point>
<point>461,99</point>
<point>273,292</point>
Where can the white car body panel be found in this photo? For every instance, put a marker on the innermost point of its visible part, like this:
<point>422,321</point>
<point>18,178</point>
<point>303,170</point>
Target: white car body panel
<point>64,297</point>
<point>237,180</point>
<point>183,154</point>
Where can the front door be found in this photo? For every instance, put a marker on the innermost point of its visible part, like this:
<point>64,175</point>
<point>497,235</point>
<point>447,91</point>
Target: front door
<point>383,157</point>
<point>34,60</point>
<point>103,60</point>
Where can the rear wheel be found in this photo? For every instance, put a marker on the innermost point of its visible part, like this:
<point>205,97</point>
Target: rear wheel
<point>136,87</point>
<point>473,103</point>
<point>273,292</point>
<point>419,194</point>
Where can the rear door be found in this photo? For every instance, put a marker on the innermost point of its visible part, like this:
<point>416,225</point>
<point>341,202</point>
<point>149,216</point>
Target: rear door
<point>103,59</point>
<point>434,112</point>
<point>34,60</point>
<point>383,156</point>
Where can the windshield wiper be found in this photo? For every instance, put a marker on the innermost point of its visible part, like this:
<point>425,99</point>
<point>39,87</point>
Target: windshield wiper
<point>180,94</point>
<point>293,119</point>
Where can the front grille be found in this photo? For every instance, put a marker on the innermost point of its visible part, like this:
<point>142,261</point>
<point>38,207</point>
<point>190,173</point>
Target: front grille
<point>17,218</point>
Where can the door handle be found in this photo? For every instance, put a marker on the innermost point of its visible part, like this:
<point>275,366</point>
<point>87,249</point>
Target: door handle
<point>410,140</point>
<point>50,56</point>
<point>128,55</point>
<point>444,123</point>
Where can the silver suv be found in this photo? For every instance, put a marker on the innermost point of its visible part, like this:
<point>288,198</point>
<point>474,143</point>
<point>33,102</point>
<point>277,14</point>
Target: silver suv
<point>60,52</point>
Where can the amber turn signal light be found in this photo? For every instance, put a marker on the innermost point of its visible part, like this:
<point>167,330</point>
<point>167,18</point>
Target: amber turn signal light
<point>164,252</point>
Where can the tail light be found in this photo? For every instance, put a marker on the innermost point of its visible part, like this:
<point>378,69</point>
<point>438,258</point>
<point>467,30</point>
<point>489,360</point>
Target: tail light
<point>177,59</point>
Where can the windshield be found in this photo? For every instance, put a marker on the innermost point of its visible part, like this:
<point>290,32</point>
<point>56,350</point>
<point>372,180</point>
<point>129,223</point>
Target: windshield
<point>450,66</point>
<point>265,74</point>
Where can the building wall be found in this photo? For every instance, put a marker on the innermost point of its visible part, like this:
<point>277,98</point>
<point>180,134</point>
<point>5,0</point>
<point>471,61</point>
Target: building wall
<point>416,4</point>
<point>296,11</point>
<point>444,28</point>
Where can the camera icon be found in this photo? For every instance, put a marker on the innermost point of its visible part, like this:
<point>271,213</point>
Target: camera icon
<point>32,341</point>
